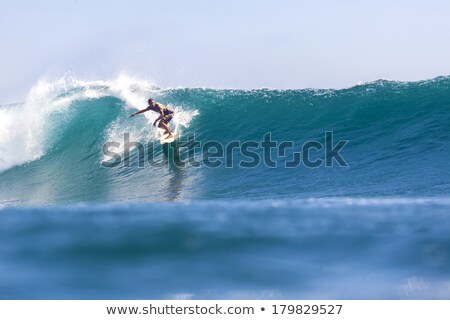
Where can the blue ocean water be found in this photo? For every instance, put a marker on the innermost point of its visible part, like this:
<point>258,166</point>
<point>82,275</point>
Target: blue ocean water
<point>376,228</point>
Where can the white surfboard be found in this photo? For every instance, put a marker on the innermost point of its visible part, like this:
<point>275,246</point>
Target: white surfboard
<point>164,139</point>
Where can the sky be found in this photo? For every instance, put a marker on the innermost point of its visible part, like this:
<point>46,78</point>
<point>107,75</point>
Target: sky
<point>290,44</point>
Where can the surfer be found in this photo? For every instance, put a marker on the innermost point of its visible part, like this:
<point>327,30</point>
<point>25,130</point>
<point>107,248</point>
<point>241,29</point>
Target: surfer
<point>165,115</point>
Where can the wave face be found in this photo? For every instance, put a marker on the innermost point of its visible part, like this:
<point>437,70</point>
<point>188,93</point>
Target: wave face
<point>397,132</point>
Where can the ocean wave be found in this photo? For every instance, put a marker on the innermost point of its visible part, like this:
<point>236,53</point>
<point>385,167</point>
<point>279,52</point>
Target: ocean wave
<point>371,248</point>
<point>397,132</point>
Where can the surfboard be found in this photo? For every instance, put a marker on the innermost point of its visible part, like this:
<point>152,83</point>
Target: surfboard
<point>164,139</point>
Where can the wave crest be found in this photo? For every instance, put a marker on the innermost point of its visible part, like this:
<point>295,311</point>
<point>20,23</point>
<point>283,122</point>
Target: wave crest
<point>28,130</point>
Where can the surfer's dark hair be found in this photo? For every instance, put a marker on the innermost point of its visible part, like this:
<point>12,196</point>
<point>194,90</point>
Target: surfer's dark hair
<point>150,100</point>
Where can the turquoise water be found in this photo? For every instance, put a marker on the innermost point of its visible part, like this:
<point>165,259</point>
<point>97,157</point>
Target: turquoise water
<point>376,228</point>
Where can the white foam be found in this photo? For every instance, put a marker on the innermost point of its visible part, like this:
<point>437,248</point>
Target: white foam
<point>23,127</point>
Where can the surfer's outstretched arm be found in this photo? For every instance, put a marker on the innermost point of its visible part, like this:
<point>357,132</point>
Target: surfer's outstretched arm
<point>139,112</point>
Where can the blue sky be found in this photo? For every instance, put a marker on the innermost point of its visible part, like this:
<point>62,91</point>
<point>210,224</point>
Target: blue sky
<point>238,44</point>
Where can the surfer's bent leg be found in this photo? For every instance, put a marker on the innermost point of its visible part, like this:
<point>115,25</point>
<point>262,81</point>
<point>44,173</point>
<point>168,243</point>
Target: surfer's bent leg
<point>165,127</point>
<point>163,124</point>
